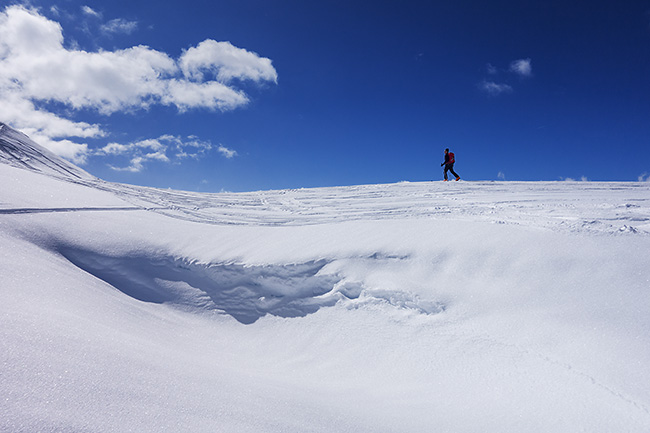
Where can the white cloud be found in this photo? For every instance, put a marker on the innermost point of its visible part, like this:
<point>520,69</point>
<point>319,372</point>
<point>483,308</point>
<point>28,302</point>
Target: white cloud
<point>75,152</point>
<point>160,156</point>
<point>226,62</point>
<point>135,166</point>
<point>155,149</point>
<point>495,89</point>
<point>120,149</point>
<point>152,144</point>
<point>228,153</point>
<point>90,11</point>
<point>16,109</point>
<point>501,175</point>
<point>36,68</point>
<point>119,25</point>
<point>522,67</point>
<point>644,177</point>
<point>114,149</point>
<point>214,95</point>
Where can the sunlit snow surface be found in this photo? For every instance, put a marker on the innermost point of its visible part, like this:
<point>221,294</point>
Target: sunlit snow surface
<point>411,307</point>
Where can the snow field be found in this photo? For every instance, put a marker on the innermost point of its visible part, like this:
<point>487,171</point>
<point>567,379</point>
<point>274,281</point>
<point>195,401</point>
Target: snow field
<point>388,308</point>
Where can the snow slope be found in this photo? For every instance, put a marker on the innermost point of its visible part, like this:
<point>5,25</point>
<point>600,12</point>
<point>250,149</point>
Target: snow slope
<point>412,307</point>
<point>19,150</point>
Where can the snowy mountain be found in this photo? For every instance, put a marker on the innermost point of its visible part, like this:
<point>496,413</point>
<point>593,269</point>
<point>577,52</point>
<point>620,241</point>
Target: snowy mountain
<point>19,150</point>
<point>411,307</point>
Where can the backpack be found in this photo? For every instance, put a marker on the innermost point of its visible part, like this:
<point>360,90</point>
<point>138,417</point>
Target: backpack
<point>452,158</point>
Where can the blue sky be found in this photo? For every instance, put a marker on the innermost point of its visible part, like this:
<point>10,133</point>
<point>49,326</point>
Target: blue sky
<point>247,95</point>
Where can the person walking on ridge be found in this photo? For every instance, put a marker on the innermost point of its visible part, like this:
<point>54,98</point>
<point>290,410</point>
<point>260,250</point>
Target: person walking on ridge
<point>449,164</point>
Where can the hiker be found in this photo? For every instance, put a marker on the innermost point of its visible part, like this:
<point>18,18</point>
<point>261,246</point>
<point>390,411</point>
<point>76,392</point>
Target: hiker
<point>449,164</point>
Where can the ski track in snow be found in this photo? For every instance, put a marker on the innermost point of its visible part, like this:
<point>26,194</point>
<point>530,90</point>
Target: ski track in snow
<point>575,206</point>
<point>65,209</point>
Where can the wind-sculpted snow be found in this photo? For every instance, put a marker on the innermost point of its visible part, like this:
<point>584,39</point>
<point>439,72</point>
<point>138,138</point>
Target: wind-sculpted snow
<point>243,292</point>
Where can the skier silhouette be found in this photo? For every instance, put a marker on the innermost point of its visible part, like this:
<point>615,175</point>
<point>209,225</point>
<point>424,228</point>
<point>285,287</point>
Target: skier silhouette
<point>449,164</point>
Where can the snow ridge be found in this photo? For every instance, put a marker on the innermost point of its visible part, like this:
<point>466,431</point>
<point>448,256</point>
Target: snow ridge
<point>18,150</point>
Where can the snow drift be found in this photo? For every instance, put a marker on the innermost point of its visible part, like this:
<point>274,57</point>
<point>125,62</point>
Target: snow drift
<point>412,307</point>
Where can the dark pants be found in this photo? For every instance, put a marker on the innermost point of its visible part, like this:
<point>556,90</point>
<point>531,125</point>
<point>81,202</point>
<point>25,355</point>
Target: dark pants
<point>450,167</point>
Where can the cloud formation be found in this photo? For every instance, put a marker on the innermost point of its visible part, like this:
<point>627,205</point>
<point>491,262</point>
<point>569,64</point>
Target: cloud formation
<point>38,72</point>
<point>522,67</point>
<point>495,89</point>
<point>90,11</point>
<point>166,148</point>
<point>119,25</point>
<point>228,153</point>
<point>225,62</point>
